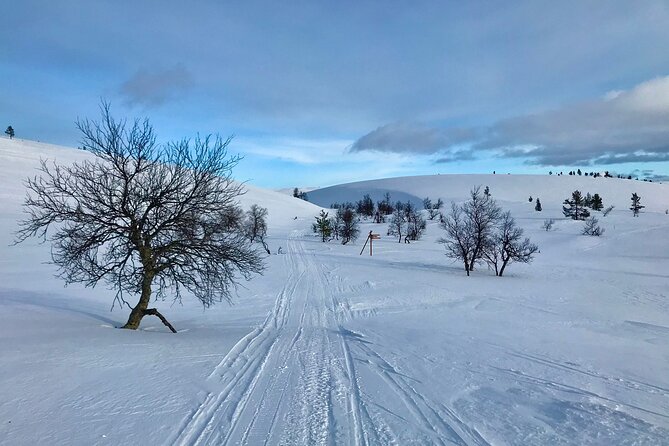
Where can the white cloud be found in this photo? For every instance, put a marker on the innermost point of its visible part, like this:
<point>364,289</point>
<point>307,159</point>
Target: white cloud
<point>622,126</point>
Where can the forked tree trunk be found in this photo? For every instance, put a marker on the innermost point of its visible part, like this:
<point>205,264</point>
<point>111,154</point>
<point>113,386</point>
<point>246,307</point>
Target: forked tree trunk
<point>141,309</point>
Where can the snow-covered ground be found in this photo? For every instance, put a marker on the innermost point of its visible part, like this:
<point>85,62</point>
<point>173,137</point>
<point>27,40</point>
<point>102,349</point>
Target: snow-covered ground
<point>331,347</point>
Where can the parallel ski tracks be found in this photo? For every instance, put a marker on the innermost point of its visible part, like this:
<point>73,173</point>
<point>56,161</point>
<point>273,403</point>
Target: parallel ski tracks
<point>293,380</point>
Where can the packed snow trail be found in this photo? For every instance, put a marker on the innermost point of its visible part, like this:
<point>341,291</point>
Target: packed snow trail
<point>293,380</point>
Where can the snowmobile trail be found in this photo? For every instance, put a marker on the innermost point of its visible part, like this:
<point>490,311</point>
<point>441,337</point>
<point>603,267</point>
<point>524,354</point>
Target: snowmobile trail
<point>294,380</point>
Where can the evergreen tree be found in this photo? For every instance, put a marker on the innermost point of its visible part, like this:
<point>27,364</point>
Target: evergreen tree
<point>587,201</point>
<point>323,226</point>
<point>365,206</point>
<point>530,199</point>
<point>10,132</point>
<point>537,207</point>
<point>300,194</point>
<point>575,208</point>
<point>636,204</point>
<point>597,204</point>
<point>384,206</point>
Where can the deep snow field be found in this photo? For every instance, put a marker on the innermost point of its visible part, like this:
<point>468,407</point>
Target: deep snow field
<point>331,347</point>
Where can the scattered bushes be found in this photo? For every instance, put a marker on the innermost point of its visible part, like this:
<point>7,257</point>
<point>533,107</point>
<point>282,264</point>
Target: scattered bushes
<point>592,228</point>
<point>548,224</point>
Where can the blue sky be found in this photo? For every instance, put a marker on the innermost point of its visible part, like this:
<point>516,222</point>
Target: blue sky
<point>319,93</point>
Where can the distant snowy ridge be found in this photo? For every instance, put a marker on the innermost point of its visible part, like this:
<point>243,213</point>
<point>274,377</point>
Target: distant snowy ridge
<point>20,159</point>
<point>551,189</point>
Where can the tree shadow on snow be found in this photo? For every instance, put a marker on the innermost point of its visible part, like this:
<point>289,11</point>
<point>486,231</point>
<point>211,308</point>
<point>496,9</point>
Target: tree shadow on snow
<point>51,302</point>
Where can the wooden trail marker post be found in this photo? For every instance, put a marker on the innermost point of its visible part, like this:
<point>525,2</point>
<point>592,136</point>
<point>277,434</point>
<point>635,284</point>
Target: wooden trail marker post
<point>370,237</point>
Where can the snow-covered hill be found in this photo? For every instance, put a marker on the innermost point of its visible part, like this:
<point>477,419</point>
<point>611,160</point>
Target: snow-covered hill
<point>551,189</point>
<point>20,159</point>
<point>332,347</point>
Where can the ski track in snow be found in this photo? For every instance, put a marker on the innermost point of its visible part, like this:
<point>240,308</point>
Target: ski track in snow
<point>293,380</point>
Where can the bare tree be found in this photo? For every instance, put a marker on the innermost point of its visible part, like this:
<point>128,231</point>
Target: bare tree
<point>591,227</point>
<point>548,224</point>
<point>459,241</point>
<point>482,213</point>
<point>507,245</point>
<point>415,223</point>
<point>432,208</point>
<point>349,229</point>
<point>336,221</point>
<point>143,217</point>
<point>398,223</point>
<point>256,225</point>
<point>427,203</point>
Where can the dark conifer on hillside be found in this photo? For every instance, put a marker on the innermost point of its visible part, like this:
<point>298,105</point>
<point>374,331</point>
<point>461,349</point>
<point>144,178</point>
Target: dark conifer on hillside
<point>365,207</point>
<point>323,226</point>
<point>596,204</point>
<point>575,207</point>
<point>636,204</point>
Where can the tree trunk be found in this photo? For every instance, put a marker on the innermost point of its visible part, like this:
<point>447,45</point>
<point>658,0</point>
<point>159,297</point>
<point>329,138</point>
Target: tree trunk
<point>138,312</point>
<point>501,271</point>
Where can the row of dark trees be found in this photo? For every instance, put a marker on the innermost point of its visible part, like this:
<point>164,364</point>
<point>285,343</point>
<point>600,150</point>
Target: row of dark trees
<point>365,207</point>
<point>406,221</point>
<point>576,207</point>
<point>606,174</point>
<point>587,174</point>
<point>302,195</point>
